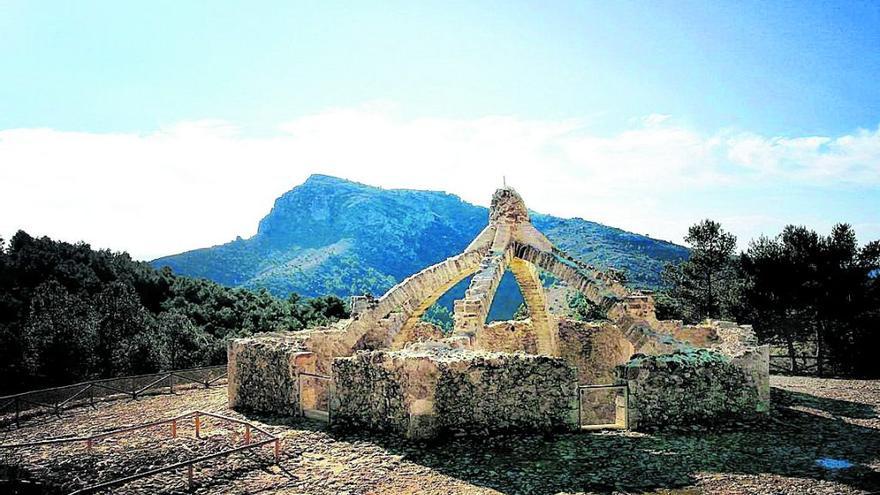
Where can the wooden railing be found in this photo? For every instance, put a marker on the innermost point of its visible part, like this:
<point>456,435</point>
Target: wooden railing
<point>14,407</point>
<point>805,365</point>
<point>90,441</point>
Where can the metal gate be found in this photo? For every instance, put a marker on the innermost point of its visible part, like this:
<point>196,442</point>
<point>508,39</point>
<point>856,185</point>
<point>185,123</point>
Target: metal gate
<point>597,412</point>
<point>314,393</point>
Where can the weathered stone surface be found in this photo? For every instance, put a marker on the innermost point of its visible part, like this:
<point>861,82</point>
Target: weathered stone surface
<point>811,418</point>
<point>262,373</point>
<point>543,323</point>
<point>422,331</point>
<point>422,393</point>
<point>594,348</point>
<point>725,336</point>
<point>699,387</point>
<point>508,336</point>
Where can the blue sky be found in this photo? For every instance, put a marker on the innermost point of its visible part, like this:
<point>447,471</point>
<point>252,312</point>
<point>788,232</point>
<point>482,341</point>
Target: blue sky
<point>644,115</point>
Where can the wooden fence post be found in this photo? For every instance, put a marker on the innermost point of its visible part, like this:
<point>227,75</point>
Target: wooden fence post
<point>198,425</point>
<point>189,476</point>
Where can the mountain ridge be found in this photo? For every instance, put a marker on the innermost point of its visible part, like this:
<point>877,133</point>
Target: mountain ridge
<point>330,235</point>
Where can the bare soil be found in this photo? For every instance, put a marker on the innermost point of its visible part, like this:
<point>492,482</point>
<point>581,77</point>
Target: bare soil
<point>822,437</point>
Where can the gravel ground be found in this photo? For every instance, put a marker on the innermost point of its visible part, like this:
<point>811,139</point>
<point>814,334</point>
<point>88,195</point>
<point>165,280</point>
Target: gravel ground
<point>823,437</point>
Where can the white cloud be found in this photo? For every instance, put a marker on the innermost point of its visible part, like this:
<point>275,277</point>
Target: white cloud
<point>201,183</point>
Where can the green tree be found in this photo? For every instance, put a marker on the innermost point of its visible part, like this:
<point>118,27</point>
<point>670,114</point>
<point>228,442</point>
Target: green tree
<point>144,319</point>
<point>581,308</point>
<point>187,345</point>
<point>816,294</point>
<point>707,284</point>
<point>441,316</point>
<point>60,335</point>
<point>128,341</point>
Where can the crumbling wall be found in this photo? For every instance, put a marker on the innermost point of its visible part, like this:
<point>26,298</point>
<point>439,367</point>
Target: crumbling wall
<point>262,374</point>
<point>754,362</point>
<point>424,392</point>
<point>508,336</point>
<point>726,337</point>
<point>697,387</point>
<point>594,348</point>
<point>263,370</point>
<point>422,331</point>
<point>386,391</point>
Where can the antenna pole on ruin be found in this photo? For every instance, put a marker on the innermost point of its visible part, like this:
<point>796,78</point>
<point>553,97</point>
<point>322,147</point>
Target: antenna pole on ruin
<point>504,181</point>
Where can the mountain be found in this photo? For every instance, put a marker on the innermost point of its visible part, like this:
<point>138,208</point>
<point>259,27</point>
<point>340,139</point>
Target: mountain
<point>334,236</point>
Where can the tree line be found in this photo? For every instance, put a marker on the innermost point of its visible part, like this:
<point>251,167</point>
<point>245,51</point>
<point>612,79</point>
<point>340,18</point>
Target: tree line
<point>70,313</point>
<point>804,292</point>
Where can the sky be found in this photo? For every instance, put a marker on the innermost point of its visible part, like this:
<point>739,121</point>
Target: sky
<point>157,127</point>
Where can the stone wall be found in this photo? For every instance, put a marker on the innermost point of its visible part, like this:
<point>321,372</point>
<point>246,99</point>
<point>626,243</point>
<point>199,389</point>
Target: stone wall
<point>263,370</point>
<point>422,331</point>
<point>425,392</point>
<point>594,348</point>
<point>725,336</point>
<point>262,374</point>
<point>508,336</point>
<point>698,387</point>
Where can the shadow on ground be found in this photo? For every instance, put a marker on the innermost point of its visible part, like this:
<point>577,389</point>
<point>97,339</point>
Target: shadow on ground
<point>798,441</point>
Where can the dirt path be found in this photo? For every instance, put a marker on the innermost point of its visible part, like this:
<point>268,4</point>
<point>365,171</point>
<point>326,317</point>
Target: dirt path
<point>822,437</point>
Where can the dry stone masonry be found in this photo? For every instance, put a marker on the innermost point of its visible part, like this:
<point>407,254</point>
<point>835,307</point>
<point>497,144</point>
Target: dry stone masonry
<point>427,391</point>
<point>688,388</point>
<point>386,369</point>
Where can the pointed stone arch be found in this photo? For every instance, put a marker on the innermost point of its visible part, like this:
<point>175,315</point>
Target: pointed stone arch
<point>510,241</point>
<point>543,324</point>
<point>379,324</point>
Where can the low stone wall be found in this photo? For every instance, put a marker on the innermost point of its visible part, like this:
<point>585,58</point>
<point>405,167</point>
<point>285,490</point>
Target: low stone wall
<point>698,387</point>
<point>262,374</point>
<point>422,393</point>
<point>263,370</point>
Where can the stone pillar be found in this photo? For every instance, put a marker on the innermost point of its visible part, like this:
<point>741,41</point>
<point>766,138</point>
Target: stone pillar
<point>470,313</point>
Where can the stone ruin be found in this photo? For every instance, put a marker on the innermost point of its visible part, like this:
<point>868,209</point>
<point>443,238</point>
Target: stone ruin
<point>386,369</point>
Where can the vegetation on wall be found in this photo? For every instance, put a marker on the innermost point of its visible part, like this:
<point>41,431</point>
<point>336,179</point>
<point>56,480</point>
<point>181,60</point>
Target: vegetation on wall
<point>69,313</point>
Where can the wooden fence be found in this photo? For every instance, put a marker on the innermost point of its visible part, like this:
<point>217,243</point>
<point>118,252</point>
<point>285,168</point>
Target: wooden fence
<point>90,441</point>
<point>804,365</point>
<point>13,408</point>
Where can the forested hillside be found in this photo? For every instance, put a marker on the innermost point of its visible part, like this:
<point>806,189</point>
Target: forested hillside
<point>68,313</point>
<point>333,236</point>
